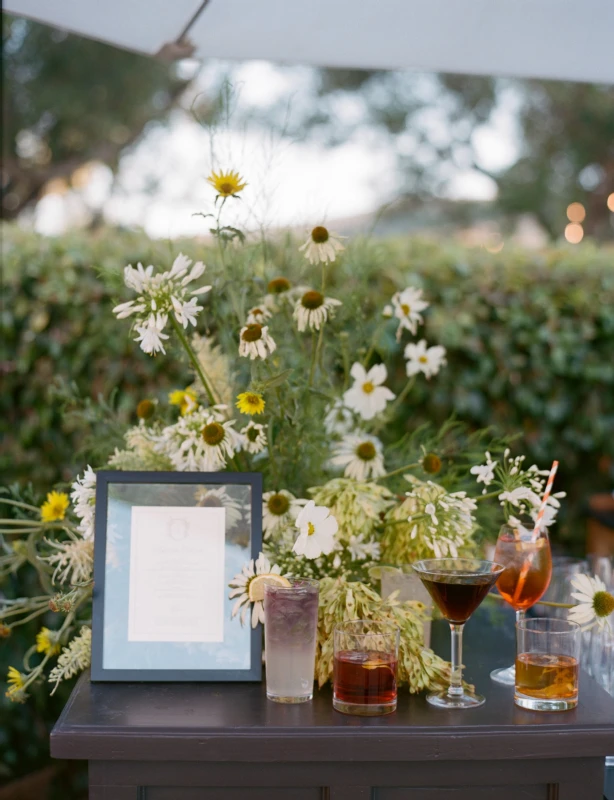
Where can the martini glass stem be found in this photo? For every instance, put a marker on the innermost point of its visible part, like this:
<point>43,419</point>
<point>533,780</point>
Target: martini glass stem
<point>456,672</point>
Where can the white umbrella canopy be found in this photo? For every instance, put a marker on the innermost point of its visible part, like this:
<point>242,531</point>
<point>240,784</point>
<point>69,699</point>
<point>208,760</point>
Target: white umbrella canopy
<point>558,39</point>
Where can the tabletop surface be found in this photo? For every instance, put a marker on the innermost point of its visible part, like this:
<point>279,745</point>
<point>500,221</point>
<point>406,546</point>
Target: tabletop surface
<point>222,721</point>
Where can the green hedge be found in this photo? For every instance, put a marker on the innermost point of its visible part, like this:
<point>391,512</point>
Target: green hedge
<point>530,339</point>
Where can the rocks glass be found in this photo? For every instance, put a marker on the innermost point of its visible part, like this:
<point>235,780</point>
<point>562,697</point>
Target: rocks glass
<point>547,664</point>
<point>290,628</point>
<point>366,656</point>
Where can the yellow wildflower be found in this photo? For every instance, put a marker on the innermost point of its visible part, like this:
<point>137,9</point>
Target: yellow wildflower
<point>250,403</point>
<point>15,681</point>
<point>54,507</point>
<point>226,184</point>
<point>46,642</point>
<point>184,398</point>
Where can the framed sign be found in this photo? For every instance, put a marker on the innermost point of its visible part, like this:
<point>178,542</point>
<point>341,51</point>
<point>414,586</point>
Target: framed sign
<point>167,544</point>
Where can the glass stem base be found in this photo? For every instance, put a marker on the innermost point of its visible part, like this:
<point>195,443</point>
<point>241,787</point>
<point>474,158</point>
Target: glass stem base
<point>504,675</point>
<point>444,699</point>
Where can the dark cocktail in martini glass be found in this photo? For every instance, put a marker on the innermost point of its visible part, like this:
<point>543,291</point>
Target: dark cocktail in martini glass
<point>457,586</point>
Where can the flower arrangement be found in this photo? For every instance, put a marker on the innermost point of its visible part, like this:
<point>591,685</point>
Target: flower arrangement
<point>289,380</point>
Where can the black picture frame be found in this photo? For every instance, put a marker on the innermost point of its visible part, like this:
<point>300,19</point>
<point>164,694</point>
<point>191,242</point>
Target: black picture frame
<point>108,478</point>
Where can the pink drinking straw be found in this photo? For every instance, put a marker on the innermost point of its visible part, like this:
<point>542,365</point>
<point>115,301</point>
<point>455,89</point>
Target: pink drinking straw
<point>542,510</point>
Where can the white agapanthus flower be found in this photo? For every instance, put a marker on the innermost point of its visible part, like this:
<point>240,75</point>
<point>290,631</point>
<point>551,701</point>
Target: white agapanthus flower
<point>339,420</point>
<point>279,511</point>
<point>407,306</point>
<point>73,561</point>
<point>363,551</point>
<point>258,315</point>
<point>313,309</point>
<point>199,442</point>
<point>317,529</point>
<point>240,589</point>
<point>484,473</point>
<point>83,496</point>
<point>255,341</point>
<point>444,521</point>
<point>254,436</point>
<point>421,358</point>
<point>596,604</point>
<point>159,296</point>
<point>362,456</point>
<point>367,396</point>
<point>322,246</point>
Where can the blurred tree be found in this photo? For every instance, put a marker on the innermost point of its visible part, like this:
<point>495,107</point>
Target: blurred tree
<point>69,101</point>
<point>565,135</point>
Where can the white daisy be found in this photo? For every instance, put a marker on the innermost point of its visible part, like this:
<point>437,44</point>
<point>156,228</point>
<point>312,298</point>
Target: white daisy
<point>83,496</point>
<point>361,455</point>
<point>279,510</point>
<point>339,420</point>
<point>258,315</point>
<point>407,306</point>
<point>219,498</point>
<point>150,334</point>
<point>254,436</point>
<point>255,341</point>
<point>199,442</point>
<point>596,603</point>
<point>322,245</point>
<point>313,309</point>
<point>317,531</point>
<point>421,358</point>
<point>367,396</point>
<point>240,588</point>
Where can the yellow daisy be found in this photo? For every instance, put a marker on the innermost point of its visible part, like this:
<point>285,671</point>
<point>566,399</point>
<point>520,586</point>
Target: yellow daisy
<point>14,680</point>
<point>184,398</point>
<point>250,403</point>
<point>46,642</point>
<point>54,507</point>
<point>226,184</point>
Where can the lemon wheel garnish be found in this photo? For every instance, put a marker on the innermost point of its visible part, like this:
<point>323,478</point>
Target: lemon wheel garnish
<point>257,584</point>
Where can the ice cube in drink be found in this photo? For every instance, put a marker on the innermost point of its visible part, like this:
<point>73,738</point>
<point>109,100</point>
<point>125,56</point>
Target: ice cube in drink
<point>546,682</point>
<point>367,678</point>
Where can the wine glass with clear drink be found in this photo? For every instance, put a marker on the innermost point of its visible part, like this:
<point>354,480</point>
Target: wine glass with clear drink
<point>528,563</point>
<point>458,586</point>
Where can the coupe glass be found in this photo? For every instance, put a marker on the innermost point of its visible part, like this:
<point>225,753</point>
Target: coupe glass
<point>528,568</point>
<point>457,586</point>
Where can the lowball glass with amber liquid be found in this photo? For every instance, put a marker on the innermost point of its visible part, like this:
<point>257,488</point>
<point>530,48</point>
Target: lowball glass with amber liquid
<point>458,586</point>
<point>547,664</point>
<point>528,569</point>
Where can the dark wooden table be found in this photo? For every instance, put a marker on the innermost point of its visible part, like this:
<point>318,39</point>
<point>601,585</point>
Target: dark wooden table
<point>227,742</point>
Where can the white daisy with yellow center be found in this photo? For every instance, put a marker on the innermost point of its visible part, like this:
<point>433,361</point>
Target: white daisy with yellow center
<point>322,246</point>
<point>367,397</point>
<point>407,306</point>
<point>255,342</point>
<point>595,605</point>
<point>279,510</point>
<point>200,441</point>
<point>254,437</point>
<point>258,315</point>
<point>422,358</point>
<point>317,529</point>
<point>313,309</point>
<point>361,455</point>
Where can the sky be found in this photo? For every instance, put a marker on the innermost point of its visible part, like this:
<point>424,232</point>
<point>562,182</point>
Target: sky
<point>162,182</point>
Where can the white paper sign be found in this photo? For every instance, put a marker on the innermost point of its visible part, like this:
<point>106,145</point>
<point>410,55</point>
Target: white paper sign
<point>177,585</point>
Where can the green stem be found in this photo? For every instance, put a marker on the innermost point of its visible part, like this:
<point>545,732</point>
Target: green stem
<point>18,504</point>
<point>406,390</point>
<point>395,472</point>
<point>486,496</point>
<point>314,350</point>
<point>193,358</point>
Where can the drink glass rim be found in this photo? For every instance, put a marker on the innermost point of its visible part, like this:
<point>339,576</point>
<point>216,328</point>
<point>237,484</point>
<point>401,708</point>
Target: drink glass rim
<point>389,628</point>
<point>435,566</point>
<point>296,585</point>
<point>533,624</point>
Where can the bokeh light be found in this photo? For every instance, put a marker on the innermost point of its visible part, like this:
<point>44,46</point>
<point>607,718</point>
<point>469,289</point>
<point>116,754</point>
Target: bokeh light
<point>574,233</point>
<point>576,212</point>
<point>610,202</point>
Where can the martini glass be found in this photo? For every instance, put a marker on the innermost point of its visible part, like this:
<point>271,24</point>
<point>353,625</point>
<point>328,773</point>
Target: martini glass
<point>528,567</point>
<point>457,586</point>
